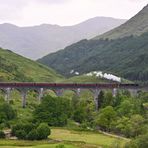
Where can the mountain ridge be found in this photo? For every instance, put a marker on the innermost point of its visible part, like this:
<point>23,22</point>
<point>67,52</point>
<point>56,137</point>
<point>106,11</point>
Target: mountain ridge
<point>137,25</point>
<point>36,41</point>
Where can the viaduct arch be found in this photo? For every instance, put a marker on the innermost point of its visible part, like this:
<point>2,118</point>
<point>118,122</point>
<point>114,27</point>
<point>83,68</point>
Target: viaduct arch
<point>59,88</point>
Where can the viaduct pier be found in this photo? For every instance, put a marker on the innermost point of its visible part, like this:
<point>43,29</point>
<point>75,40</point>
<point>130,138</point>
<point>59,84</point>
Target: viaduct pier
<point>59,88</point>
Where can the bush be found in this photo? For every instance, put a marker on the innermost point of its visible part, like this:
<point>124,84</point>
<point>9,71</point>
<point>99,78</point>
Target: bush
<point>33,135</point>
<point>2,134</point>
<point>27,127</point>
<point>30,131</point>
<point>20,134</point>
<point>140,142</point>
<point>43,131</point>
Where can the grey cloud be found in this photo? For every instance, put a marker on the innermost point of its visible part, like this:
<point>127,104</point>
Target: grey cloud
<point>24,2</point>
<point>12,9</point>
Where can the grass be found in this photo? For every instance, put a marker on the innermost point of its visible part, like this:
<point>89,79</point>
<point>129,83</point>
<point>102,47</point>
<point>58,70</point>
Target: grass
<point>69,139</point>
<point>17,68</point>
<point>32,144</point>
<point>44,146</point>
<point>85,137</point>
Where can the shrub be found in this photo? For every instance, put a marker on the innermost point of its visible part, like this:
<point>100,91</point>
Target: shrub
<point>30,131</point>
<point>27,127</point>
<point>140,142</point>
<point>2,134</point>
<point>43,131</point>
<point>20,134</point>
<point>33,135</point>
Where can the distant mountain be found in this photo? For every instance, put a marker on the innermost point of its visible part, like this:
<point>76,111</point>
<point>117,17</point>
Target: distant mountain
<point>125,56</point>
<point>135,26</point>
<point>37,41</point>
<point>17,68</point>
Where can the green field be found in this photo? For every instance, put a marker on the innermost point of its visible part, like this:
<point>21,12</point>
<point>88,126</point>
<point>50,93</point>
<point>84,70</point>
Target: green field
<point>68,139</point>
<point>85,137</point>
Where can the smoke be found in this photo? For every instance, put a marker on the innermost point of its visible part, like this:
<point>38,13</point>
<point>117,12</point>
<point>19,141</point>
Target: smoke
<point>104,75</point>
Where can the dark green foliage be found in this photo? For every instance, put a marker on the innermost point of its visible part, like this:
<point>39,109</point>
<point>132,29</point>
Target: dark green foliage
<point>33,135</point>
<point>80,114</point>
<point>101,98</point>
<point>30,131</point>
<point>2,135</point>
<point>26,127</point>
<point>130,126</point>
<point>82,110</point>
<point>20,134</point>
<point>53,110</point>
<point>123,114</point>
<point>139,142</point>
<point>43,131</point>
<point>6,112</point>
<point>127,57</point>
<point>106,118</point>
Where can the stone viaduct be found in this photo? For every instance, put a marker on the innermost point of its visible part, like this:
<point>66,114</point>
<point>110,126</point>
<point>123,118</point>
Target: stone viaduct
<point>58,88</point>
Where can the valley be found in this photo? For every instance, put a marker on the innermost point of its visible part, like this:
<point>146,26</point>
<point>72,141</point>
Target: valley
<point>87,88</point>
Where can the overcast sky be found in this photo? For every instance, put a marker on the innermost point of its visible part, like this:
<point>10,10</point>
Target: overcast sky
<point>65,12</point>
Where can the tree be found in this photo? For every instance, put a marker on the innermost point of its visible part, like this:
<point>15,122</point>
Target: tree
<point>53,110</point>
<point>140,142</point>
<point>137,125</point>
<point>6,112</point>
<point>130,127</point>
<point>108,99</point>
<point>101,98</point>
<point>80,114</point>
<point>106,118</point>
<point>125,108</point>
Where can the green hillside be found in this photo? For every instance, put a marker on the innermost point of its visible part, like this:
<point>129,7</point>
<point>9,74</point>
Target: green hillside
<point>126,57</point>
<point>135,26</point>
<point>17,68</point>
<point>122,51</point>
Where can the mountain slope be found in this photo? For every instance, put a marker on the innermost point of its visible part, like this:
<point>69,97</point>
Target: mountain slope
<point>126,57</point>
<point>135,26</point>
<point>17,68</point>
<point>35,42</point>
